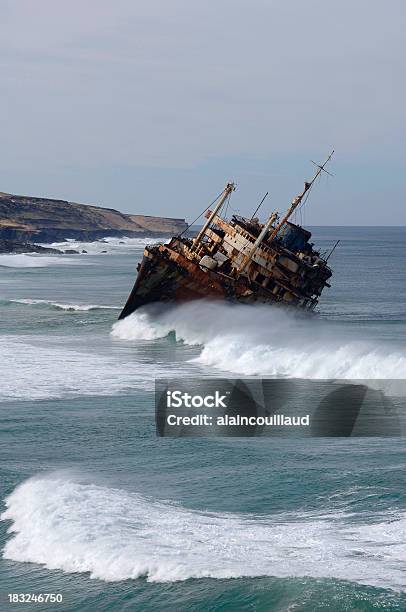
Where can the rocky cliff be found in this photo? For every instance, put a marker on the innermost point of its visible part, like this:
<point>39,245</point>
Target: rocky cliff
<point>45,220</point>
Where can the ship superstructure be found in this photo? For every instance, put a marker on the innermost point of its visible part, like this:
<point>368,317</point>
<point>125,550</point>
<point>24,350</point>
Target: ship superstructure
<point>239,260</point>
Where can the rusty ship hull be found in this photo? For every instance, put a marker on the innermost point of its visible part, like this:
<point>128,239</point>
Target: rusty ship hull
<point>167,276</point>
<point>239,260</point>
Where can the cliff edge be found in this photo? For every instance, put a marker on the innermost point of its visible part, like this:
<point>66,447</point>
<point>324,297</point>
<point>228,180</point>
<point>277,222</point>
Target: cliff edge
<point>33,219</point>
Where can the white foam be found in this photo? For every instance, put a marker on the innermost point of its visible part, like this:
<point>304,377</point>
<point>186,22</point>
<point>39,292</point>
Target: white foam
<point>68,307</point>
<point>267,341</point>
<point>32,369</point>
<point>140,326</point>
<point>118,535</point>
<point>109,244</point>
<point>24,260</point>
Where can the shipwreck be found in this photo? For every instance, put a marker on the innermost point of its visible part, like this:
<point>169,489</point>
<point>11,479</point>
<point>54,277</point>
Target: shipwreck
<point>240,260</point>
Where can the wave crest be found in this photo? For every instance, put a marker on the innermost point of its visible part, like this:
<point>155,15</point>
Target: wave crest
<point>118,535</point>
<point>266,341</point>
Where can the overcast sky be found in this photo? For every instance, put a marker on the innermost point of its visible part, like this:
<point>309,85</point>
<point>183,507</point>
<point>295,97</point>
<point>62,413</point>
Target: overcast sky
<point>150,106</point>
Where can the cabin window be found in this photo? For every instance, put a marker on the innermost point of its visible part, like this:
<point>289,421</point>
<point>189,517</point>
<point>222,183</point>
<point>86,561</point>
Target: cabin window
<point>260,278</point>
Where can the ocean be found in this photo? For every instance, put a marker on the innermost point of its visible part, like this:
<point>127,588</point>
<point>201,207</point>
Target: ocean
<point>97,508</point>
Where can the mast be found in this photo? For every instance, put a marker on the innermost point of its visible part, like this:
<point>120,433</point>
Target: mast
<point>297,201</point>
<point>229,188</point>
<point>257,242</point>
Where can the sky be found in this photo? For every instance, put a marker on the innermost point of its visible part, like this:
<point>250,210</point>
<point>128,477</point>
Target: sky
<point>151,106</point>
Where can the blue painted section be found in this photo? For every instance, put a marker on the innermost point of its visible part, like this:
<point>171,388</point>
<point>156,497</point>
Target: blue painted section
<point>293,237</point>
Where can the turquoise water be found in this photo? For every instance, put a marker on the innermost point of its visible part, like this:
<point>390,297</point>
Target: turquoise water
<point>97,508</point>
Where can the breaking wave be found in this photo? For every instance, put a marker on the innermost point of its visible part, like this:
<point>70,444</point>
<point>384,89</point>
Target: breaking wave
<point>267,341</point>
<point>115,535</point>
<point>67,307</point>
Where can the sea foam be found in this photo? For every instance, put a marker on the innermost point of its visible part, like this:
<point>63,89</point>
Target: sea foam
<point>116,535</point>
<point>109,245</point>
<point>34,369</point>
<point>60,306</point>
<point>267,341</point>
<point>23,260</point>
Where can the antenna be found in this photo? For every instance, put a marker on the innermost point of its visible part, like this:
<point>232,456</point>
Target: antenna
<point>322,167</point>
<point>298,200</point>
<point>259,205</point>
